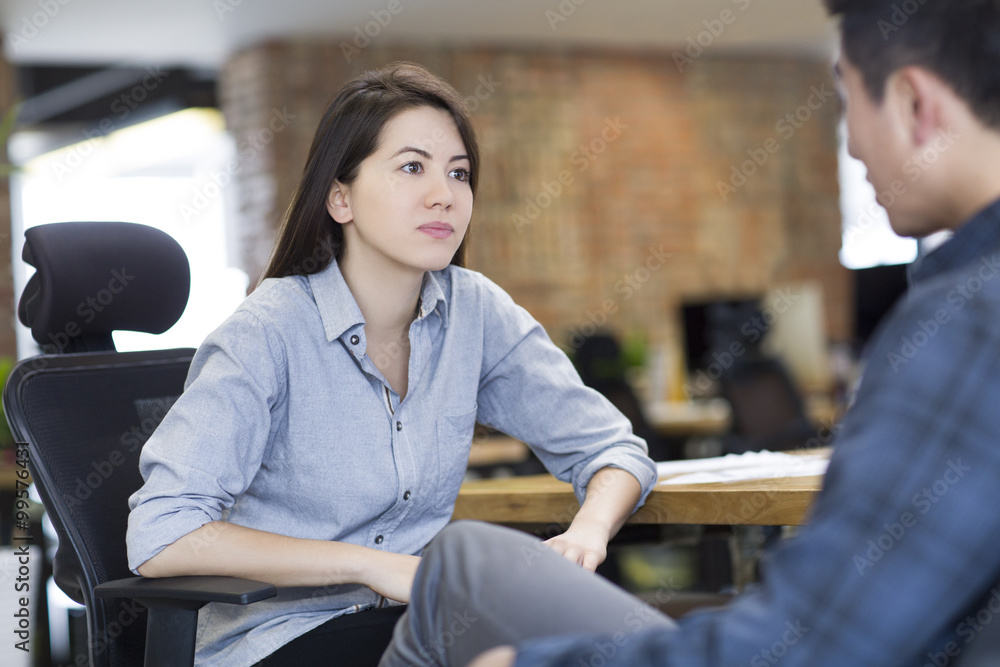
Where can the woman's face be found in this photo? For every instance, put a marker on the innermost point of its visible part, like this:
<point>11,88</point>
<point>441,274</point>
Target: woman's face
<point>411,202</point>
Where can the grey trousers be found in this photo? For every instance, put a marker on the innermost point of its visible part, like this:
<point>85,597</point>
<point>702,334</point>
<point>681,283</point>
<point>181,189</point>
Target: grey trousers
<point>481,586</point>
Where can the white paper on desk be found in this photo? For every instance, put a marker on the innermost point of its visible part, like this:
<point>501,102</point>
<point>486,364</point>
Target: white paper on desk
<point>738,467</point>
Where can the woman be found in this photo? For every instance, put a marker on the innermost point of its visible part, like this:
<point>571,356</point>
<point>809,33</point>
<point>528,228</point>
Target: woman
<point>325,426</point>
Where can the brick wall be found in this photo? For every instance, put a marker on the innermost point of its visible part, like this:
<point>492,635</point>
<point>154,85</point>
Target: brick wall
<point>8,343</point>
<point>604,187</point>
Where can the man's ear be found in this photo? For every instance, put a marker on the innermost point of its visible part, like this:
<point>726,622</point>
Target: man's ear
<point>920,98</point>
<point>337,204</point>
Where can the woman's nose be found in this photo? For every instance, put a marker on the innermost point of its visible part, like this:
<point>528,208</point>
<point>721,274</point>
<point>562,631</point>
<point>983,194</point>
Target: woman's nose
<point>439,192</point>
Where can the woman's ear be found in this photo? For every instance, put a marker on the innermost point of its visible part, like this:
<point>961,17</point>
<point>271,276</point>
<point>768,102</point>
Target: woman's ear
<point>337,205</point>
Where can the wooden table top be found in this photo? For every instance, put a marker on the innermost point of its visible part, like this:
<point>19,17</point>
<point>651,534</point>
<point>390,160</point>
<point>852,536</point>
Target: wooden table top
<point>544,499</point>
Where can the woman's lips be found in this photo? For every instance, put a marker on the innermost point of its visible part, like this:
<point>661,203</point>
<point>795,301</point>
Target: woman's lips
<point>437,230</point>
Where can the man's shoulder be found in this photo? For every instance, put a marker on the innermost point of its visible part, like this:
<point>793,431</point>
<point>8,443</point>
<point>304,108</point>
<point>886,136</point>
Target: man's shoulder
<point>968,291</point>
<point>941,316</point>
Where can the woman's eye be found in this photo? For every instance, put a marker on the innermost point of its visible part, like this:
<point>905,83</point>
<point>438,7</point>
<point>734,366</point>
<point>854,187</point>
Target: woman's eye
<point>461,174</point>
<point>412,167</point>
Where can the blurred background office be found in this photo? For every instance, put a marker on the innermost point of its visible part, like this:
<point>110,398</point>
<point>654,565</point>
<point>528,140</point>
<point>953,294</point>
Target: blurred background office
<point>638,158</point>
<point>669,175</point>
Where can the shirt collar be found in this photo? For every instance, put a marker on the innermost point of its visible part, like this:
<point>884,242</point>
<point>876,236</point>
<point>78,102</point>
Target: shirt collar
<point>978,237</point>
<point>340,312</point>
<point>432,296</point>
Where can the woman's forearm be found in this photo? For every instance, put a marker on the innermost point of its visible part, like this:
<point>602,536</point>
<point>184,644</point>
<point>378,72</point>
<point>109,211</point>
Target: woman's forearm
<point>611,496</point>
<point>226,549</point>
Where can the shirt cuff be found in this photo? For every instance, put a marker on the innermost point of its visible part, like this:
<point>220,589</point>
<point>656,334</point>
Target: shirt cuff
<point>641,467</point>
<point>150,531</point>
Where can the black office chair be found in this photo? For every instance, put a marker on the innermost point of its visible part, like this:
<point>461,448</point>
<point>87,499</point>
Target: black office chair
<point>84,412</point>
<point>768,412</point>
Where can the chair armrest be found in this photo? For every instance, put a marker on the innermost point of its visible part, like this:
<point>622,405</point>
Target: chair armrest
<point>173,604</point>
<point>171,590</point>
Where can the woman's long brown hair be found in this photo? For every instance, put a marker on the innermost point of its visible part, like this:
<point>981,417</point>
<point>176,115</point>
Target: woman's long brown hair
<point>349,132</point>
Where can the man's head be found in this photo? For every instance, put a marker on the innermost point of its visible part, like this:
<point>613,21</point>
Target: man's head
<point>922,81</point>
<point>959,40</point>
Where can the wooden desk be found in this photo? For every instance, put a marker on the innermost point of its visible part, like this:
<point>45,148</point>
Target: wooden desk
<point>544,499</point>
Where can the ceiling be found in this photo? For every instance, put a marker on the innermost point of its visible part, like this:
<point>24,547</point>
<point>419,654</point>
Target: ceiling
<point>202,33</point>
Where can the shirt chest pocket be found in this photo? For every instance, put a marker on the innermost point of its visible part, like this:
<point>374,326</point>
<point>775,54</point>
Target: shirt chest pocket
<point>454,438</point>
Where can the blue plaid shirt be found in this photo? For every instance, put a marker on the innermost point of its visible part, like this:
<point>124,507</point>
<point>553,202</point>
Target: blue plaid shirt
<point>287,426</point>
<point>900,562</point>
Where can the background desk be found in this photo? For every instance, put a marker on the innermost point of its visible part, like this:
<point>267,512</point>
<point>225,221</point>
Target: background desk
<point>687,418</point>
<point>544,499</point>
<point>713,417</point>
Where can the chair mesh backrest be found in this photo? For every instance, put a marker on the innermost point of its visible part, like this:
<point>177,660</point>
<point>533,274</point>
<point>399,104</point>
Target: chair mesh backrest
<point>763,399</point>
<point>85,418</point>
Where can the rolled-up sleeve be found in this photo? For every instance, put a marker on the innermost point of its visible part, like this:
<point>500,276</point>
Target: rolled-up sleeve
<point>210,444</point>
<point>529,389</point>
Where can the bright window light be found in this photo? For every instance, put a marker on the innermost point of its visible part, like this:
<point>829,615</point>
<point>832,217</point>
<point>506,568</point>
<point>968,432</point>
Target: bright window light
<point>868,240</point>
<point>155,173</point>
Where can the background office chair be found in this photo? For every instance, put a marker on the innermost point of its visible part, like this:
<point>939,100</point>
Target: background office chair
<point>85,411</point>
<point>768,412</point>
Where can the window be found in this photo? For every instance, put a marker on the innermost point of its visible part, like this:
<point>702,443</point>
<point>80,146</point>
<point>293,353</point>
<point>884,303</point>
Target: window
<point>868,240</point>
<point>157,173</point>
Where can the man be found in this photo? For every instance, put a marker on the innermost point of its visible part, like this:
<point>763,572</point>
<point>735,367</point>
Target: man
<point>900,563</point>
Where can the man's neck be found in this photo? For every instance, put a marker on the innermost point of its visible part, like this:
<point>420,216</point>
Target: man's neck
<point>971,174</point>
<point>979,191</point>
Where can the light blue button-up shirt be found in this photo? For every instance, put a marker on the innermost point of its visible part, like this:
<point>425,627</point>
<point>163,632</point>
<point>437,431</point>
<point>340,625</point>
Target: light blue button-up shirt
<point>287,426</point>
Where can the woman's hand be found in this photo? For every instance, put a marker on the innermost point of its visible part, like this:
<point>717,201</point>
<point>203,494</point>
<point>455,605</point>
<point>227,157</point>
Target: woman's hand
<point>502,656</point>
<point>584,543</point>
<point>611,495</point>
<point>391,575</point>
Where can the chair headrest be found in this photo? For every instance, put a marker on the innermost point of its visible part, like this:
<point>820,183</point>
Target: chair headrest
<point>93,278</point>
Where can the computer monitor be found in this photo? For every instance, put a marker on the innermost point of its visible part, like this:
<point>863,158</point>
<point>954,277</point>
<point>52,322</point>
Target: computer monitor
<point>711,326</point>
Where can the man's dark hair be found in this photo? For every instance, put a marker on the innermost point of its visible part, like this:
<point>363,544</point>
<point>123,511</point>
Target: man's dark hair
<point>958,40</point>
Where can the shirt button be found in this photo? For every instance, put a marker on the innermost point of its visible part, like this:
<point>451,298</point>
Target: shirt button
<point>378,540</point>
<point>399,426</point>
<point>406,496</point>
<point>355,340</point>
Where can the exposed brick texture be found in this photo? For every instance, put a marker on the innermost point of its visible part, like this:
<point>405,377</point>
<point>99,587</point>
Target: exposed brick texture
<point>641,148</point>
